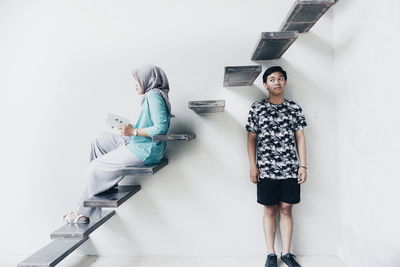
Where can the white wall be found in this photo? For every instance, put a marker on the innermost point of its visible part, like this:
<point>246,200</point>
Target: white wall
<point>367,93</point>
<point>66,64</point>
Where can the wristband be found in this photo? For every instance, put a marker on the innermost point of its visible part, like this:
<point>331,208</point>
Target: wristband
<point>303,167</point>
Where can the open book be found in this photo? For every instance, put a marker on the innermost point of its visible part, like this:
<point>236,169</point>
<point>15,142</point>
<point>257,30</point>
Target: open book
<point>115,121</point>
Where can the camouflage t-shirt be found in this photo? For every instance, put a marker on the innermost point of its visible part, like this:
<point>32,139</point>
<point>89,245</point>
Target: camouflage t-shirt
<point>275,126</point>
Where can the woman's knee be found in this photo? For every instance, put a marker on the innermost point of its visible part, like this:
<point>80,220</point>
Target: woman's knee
<point>98,172</point>
<point>101,137</point>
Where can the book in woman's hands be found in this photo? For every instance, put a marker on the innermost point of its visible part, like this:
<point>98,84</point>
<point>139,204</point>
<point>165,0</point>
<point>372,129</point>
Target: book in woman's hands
<point>115,121</point>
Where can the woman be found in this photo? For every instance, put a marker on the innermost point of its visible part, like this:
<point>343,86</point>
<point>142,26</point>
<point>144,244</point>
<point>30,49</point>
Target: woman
<point>134,147</point>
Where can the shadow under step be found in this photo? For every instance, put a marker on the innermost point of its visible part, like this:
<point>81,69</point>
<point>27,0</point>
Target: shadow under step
<point>81,231</point>
<point>144,170</point>
<point>174,137</point>
<point>272,45</point>
<point>207,106</point>
<point>304,14</point>
<point>112,198</point>
<point>241,75</point>
<point>52,254</point>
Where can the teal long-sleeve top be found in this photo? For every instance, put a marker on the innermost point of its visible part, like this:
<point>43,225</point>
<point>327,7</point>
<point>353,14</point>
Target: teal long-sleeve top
<point>154,119</point>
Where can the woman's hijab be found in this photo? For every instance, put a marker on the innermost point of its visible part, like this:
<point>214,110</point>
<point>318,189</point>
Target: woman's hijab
<point>153,78</point>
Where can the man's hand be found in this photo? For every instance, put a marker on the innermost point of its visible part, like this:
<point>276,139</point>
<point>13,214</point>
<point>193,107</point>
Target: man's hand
<point>126,130</point>
<point>254,175</point>
<point>302,175</point>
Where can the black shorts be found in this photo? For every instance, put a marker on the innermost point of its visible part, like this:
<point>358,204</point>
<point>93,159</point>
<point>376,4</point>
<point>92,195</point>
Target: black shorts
<point>273,191</point>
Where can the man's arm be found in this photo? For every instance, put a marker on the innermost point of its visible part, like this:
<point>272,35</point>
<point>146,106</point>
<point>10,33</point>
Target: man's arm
<point>251,151</point>
<point>302,152</point>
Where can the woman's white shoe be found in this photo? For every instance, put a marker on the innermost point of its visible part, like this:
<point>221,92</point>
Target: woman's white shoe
<point>74,217</point>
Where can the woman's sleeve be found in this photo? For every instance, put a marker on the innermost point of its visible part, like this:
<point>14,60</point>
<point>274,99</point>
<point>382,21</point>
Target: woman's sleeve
<point>159,115</point>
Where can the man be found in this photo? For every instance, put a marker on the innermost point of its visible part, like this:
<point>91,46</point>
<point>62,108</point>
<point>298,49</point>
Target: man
<point>275,131</point>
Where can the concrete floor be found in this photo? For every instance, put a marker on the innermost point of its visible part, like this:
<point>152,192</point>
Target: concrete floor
<point>176,261</point>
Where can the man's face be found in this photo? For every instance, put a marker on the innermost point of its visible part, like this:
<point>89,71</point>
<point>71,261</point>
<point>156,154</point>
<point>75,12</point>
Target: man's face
<point>275,84</point>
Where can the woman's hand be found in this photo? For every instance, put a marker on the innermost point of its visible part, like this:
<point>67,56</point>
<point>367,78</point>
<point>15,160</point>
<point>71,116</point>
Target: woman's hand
<point>254,175</point>
<point>126,130</point>
<point>302,175</point>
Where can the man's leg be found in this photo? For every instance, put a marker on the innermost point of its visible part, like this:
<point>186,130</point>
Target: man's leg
<point>286,225</point>
<point>270,226</point>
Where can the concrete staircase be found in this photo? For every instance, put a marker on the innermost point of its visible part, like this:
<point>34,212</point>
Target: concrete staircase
<point>70,236</point>
<point>272,45</point>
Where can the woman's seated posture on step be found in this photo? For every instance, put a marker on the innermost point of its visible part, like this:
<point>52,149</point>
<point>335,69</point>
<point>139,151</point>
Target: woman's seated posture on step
<point>134,147</point>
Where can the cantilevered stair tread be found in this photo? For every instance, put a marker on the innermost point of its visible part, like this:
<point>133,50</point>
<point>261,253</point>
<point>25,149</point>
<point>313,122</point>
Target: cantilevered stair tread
<point>207,106</point>
<point>53,253</point>
<point>112,198</point>
<point>174,137</point>
<point>272,45</point>
<point>144,170</point>
<point>241,75</point>
<point>80,231</point>
<point>304,14</point>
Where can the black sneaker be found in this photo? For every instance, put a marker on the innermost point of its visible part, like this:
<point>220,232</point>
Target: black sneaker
<point>272,260</point>
<point>290,260</point>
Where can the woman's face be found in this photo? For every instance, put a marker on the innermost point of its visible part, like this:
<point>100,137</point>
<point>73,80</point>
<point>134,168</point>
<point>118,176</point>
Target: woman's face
<point>139,89</point>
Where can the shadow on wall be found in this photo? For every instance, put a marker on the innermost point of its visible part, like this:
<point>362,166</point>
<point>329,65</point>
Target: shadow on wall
<point>88,248</point>
<point>314,43</point>
<point>256,94</point>
<point>84,261</point>
<point>297,81</point>
<point>354,24</point>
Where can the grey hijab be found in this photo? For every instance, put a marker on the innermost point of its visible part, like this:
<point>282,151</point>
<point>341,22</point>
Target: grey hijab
<point>153,78</point>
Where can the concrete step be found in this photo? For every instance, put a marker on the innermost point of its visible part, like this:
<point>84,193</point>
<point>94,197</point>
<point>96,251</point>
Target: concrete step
<point>207,106</point>
<point>112,198</point>
<point>144,170</point>
<point>272,45</point>
<point>304,14</point>
<point>53,253</point>
<point>241,75</point>
<point>80,231</point>
<point>174,137</point>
